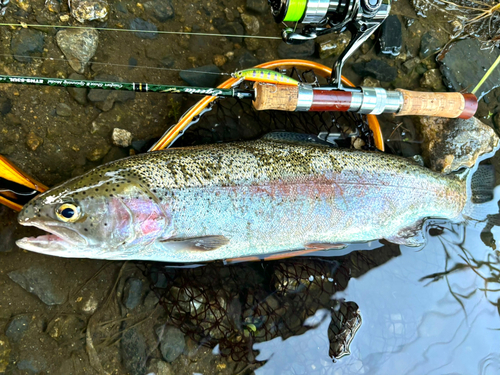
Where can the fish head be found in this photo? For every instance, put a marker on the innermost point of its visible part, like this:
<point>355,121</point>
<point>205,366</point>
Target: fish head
<point>99,215</point>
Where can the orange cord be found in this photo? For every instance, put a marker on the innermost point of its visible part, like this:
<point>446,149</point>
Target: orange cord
<point>320,69</point>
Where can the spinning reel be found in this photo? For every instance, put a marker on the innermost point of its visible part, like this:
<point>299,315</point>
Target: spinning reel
<point>319,17</point>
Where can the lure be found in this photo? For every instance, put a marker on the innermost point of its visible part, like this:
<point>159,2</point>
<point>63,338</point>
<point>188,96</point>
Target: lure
<point>265,75</point>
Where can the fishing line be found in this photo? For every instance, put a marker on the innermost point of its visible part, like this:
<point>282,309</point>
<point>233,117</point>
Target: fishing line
<point>118,65</point>
<point>26,25</point>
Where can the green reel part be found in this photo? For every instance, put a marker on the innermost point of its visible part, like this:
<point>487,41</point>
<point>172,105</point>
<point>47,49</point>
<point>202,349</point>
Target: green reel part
<point>295,10</point>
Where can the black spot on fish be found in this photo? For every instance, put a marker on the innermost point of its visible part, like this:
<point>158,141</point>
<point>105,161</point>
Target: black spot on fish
<point>85,229</point>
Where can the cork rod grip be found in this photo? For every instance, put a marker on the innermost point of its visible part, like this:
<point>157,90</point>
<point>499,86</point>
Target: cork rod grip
<point>441,104</point>
<point>277,97</point>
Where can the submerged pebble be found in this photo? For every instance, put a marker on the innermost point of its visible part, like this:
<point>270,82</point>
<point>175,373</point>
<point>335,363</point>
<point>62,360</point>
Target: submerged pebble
<point>288,51</point>
<point>79,46</point>
<point>122,138</point>
<point>17,326</point>
<point>377,69</point>
<point>4,353</point>
<point>27,43</point>
<point>88,10</point>
<point>134,351</point>
<point>132,292</point>
<point>79,94</point>
<point>149,30</point>
<point>251,24</point>
<point>40,282</point>
<point>432,79</point>
<point>63,110</point>
<point>33,141</point>
<point>202,76</point>
<point>259,6</point>
<point>334,46</point>
<point>162,10</point>
<point>172,342</point>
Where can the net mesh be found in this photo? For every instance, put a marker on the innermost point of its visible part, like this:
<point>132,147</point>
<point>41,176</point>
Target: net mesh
<point>239,305</point>
<point>232,119</point>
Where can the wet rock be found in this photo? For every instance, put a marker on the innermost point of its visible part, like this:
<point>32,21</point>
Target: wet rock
<point>134,351</point>
<point>32,365</point>
<point>251,24</point>
<point>98,152</point>
<point>115,153</point>
<point>53,6</point>
<point>231,28</point>
<point>4,353</point>
<point>33,141</point>
<point>17,326</point>
<point>430,44</point>
<point>63,110</point>
<point>66,327</point>
<point>121,137</point>
<point>132,293</point>
<point>288,51</point>
<point>162,10</point>
<point>247,60</point>
<point>252,44</point>
<point>132,62</point>
<point>79,46</point>
<point>450,144</point>
<point>229,14</point>
<point>172,342</point>
<point>104,99</point>
<point>370,82</point>
<point>433,80</point>
<point>88,10</point>
<point>5,105</point>
<point>202,76</point>
<point>23,4</point>
<point>40,282</point>
<point>7,230</point>
<point>464,65</point>
<point>79,94</point>
<point>158,278</point>
<point>159,367</point>
<point>411,64</point>
<point>27,43</point>
<point>333,47</point>
<point>259,6</point>
<point>391,39</point>
<point>219,60</point>
<point>149,30</point>
<point>151,301</point>
<point>377,69</point>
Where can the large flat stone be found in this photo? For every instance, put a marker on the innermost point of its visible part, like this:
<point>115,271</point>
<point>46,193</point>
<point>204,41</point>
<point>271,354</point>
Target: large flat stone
<point>465,64</point>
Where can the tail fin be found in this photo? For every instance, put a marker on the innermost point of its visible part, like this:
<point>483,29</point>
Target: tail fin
<point>482,194</point>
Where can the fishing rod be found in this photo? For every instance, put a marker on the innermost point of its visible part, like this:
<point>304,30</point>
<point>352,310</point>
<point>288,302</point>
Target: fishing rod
<point>276,91</point>
<point>126,86</point>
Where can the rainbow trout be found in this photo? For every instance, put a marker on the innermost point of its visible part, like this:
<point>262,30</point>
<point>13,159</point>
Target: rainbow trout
<point>239,199</point>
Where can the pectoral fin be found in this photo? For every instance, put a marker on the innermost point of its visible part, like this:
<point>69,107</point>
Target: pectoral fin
<point>206,243</point>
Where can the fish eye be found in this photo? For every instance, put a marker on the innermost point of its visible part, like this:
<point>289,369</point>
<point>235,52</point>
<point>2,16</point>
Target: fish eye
<point>68,212</point>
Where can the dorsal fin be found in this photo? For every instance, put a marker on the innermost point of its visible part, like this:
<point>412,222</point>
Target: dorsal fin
<point>297,138</point>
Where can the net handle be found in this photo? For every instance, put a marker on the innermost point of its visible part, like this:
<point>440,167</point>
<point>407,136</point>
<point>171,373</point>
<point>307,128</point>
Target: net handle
<point>166,140</point>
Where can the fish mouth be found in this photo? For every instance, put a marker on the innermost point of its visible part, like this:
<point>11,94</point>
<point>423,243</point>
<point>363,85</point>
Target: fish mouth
<point>60,238</point>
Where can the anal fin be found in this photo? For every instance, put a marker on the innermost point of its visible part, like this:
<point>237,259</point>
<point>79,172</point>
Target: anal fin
<point>205,243</point>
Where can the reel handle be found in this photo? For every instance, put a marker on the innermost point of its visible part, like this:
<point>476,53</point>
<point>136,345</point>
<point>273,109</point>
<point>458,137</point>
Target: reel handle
<point>366,100</point>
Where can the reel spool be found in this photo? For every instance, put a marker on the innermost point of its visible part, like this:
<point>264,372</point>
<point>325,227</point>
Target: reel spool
<point>319,17</point>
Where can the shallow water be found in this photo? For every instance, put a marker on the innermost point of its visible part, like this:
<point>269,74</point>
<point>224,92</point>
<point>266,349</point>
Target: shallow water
<point>394,309</point>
